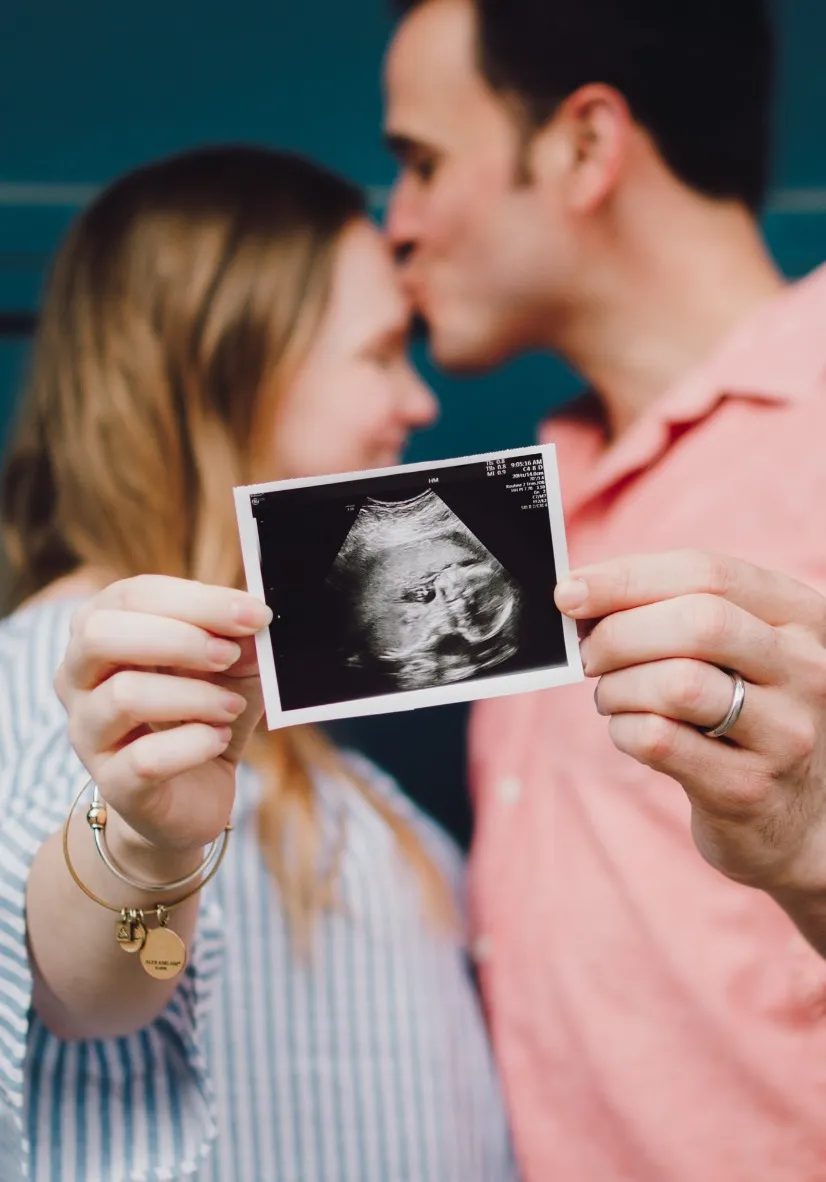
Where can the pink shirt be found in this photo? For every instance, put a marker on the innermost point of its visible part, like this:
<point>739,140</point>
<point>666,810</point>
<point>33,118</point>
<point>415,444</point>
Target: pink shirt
<point>653,1021</point>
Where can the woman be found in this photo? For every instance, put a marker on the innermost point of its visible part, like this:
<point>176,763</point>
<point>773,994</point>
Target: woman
<point>221,317</point>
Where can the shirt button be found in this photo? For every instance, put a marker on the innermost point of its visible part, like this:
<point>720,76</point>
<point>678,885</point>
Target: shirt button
<point>509,789</point>
<point>481,949</point>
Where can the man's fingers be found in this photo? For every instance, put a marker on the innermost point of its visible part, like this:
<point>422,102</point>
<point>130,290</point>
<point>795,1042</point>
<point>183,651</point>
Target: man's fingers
<point>623,583</point>
<point>680,689</point>
<point>701,695</point>
<point>699,627</point>
<point>719,779</point>
<point>740,820</point>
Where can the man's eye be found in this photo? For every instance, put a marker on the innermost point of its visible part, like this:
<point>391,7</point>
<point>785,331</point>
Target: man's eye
<point>423,169</point>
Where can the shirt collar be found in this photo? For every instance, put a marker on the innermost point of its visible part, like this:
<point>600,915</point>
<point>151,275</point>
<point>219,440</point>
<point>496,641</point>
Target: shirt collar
<point>778,356</point>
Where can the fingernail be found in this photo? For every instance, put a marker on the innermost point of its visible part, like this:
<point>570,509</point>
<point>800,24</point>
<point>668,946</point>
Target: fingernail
<point>223,734</point>
<point>222,653</point>
<point>584,646</point>
<point>234,704</point>
<point>251,613</point>
<point>571,594</point>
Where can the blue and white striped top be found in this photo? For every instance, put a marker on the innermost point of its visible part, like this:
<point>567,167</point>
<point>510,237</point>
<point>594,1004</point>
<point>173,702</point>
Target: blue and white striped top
<point>367,1063</point>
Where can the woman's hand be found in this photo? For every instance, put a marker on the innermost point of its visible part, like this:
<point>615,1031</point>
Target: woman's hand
<point>160,683</point>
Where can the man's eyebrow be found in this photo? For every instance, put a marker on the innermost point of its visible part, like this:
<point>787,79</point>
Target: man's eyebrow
<point>402,146</point>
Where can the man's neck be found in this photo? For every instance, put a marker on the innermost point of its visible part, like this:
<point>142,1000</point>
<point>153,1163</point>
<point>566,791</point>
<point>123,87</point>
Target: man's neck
<point>690,274</point>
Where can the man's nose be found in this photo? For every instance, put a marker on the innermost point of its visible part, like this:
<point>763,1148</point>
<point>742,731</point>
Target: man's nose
<point>401,222</point>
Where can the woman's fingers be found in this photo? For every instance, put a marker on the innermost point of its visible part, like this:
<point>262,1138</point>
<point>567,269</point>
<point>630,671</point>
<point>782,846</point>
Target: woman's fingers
<point>131,699</point>
<point>699,627</point>
<point>221,610</point>
<point>150,761</point>
<point>109,639</point>
<point>157,621</point>
<point>688,691</point>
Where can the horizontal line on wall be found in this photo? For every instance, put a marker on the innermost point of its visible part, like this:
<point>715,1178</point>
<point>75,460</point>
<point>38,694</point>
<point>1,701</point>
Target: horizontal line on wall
<point>46,194</point>
<point>804,200</point>
<point>17,324</point>
<point>73,196</point>
<point>798,201</point>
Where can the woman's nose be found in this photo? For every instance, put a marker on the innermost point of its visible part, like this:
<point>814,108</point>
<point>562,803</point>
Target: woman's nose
<point>421,407</point>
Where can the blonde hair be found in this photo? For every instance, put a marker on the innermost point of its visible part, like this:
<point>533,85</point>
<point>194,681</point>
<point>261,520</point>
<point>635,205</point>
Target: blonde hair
<point>177,308</point>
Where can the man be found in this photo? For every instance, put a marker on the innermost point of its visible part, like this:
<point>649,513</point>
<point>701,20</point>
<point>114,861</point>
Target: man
<point>584,176</point>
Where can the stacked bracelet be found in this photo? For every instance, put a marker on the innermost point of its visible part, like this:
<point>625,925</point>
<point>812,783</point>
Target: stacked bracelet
<point>96,816</point>
<point>162,952</point>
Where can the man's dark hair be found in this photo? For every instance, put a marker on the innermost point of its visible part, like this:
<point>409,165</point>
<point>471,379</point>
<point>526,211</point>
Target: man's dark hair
<point>696,74</point>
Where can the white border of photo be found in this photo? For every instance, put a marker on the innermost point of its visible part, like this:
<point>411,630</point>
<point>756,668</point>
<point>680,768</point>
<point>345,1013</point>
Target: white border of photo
<point>473,689</point>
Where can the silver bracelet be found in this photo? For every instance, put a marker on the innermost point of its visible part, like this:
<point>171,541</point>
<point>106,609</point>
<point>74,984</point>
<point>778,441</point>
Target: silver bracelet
<point>96,816</point>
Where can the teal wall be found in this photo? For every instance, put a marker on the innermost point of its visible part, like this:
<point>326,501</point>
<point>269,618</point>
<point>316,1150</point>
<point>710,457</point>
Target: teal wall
<point>89,89</point>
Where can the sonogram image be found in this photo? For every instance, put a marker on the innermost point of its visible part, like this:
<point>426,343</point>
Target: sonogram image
<point>425,601</point>
<point>421,585</point>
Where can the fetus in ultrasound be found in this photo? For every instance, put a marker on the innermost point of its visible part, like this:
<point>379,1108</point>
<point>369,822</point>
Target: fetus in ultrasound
<point>426,601</point>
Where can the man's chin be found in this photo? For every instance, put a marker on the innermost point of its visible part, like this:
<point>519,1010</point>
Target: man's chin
<point>456,351</point>
<point>464,357</point>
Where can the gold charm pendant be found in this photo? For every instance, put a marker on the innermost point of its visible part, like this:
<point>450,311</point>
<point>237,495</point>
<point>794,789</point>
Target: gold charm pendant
<point>163,954</point>
<point>129,931</point>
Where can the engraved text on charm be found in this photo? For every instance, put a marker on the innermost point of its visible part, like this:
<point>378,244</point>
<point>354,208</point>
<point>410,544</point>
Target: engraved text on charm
<point>163,954</point>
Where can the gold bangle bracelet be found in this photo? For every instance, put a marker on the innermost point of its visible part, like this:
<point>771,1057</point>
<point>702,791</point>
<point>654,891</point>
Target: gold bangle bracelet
<point>162,952</point>
<point>97,814</point>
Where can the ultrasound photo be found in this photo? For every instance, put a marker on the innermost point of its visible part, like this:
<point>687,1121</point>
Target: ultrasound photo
<point>408,587</point>
<point>426,601</point>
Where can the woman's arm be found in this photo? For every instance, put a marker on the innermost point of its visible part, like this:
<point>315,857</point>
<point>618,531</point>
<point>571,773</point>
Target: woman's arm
<point>84,985</point>
<point>161,690</point>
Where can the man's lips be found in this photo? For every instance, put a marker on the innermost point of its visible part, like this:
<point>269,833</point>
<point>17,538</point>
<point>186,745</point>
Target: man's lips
<point>416,292</point>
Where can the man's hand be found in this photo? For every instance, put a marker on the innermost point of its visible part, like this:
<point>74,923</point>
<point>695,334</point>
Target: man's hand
<point>663,628</point>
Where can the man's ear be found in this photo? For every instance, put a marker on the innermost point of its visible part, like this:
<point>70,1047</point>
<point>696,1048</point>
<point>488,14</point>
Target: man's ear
<point>585,145</point>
